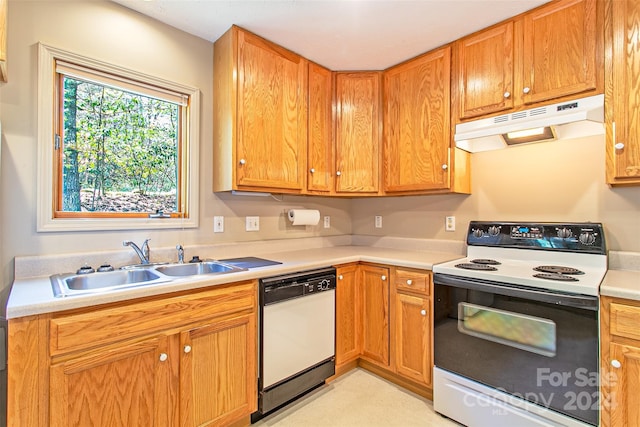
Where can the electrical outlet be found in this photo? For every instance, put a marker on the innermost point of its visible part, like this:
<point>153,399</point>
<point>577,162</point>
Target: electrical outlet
<point>252,223</point>
<point>450,223</point>
<point>378,221</point>
<point>218,224</point>
<point>327,222</point>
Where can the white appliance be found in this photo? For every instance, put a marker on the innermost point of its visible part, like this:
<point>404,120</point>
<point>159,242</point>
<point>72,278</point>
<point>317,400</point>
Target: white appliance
<point>516,326</point>
<point>297,336</point>
<point>565,120</point>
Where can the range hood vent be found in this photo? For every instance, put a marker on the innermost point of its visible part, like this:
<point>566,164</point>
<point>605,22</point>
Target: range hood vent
<point>566,120</point>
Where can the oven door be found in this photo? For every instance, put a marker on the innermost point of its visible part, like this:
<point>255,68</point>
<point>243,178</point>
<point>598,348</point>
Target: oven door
<point>537,345</point>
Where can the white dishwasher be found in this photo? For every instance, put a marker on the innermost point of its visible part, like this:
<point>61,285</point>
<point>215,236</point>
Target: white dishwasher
<point>297,336</point>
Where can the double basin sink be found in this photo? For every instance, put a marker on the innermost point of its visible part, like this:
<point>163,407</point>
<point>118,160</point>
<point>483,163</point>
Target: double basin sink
<point>142,275</point>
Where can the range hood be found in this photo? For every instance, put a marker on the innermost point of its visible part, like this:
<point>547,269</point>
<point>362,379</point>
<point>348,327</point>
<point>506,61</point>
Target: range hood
<point>566,120</point>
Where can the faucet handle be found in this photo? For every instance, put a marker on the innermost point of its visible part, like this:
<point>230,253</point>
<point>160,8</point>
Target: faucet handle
<point>180,253</point>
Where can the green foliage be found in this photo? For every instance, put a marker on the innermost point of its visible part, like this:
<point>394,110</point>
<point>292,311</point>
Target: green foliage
<point>124,141</point>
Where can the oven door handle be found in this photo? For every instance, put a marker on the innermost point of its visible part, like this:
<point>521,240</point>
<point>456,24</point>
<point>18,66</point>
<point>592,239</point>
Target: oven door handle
<point>586,302</point>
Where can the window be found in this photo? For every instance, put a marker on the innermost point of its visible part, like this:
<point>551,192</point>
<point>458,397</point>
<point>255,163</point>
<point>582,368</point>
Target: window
<point>118,149</point>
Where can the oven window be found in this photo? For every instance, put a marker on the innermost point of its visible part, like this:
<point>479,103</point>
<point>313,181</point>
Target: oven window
<point>529,333</point>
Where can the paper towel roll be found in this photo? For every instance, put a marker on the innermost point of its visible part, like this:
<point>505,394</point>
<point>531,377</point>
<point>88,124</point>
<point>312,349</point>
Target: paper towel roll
<point>304,216</point>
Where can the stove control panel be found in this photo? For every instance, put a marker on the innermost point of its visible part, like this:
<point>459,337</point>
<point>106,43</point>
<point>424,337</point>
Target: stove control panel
<point>568,237</point>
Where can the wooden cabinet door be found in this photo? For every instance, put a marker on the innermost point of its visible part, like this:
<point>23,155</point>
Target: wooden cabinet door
<point>358,123</point>
<point>624,385</point>
<point>348,315</point>
<point>127,385</point>
<point>559,50</point>
<point>621,97</point>
<point>271,115</point>
<point>413,337</point>
<point>375,314</point>
<point>218,373</point>
<point>320,127</point>
<point>417,123</point>
<point>485,67</point>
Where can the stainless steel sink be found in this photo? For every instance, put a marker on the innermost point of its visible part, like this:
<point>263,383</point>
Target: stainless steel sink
<point>77,284</point>
<point>197,268</point>
<point>81,284</point>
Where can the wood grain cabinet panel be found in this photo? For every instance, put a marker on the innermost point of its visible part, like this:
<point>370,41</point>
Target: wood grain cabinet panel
<point>348,315</point>
<point>620,362</point>
<point>417,123</point>
<point>375,314</point>
<point>320,157</point>
<point>260,108</point>
<point>358,121</point>
<point>412,337</point>
<point>486,71</point>
<point>622,100</point>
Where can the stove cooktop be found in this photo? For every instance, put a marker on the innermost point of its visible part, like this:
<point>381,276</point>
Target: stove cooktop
<point>568,258</point>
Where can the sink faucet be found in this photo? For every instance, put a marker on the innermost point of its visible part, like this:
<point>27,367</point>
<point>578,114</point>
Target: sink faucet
<point>143,253</point>
<point>180,254</point>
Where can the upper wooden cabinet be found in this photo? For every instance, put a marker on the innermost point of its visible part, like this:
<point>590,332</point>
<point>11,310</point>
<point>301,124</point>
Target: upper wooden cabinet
<point>260,115</point>
<point>622,105</point>
<point>358,122</point>
<point>417,125</point>
<point>3,40</point>
<point>320,157</point>
<point>553,52</point>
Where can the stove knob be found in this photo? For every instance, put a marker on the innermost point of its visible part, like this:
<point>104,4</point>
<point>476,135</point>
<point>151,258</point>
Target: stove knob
<point>494,230</point>
<point>478,233</point>
<point>587,238</point>
<point>564,233</point>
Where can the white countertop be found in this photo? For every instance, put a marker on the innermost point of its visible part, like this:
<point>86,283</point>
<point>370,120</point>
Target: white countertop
<point>621,284</point>
<point>34,295</point>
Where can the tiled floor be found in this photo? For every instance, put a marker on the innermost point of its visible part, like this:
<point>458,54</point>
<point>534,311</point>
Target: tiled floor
<point>358,399</point>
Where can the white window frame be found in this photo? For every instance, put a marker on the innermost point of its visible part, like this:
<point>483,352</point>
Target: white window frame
<point>47,101</point>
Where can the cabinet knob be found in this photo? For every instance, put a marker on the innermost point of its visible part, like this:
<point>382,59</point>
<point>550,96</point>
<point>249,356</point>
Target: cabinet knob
<point>526,90</point>
<point>619,146</point>
<point>423,312</point>
<point>312,170</point>
<point>338,173</point>
<point>383,278</point>
<point>445,167</point>
<point>243,161</point>
<point>409,282</point>
<point>187,349</point>
<point>340,277</point>
<point>616,364</point>
<point>507,94</point>
<point>163,357</point>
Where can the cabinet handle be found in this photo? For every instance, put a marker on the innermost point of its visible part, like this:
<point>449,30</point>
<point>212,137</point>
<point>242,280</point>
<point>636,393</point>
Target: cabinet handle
<point>526,90</point>
<point>163,357</point>
<point>619,146</point>
<point>243,161</point>
<point>616,145</point>
<point>423,312</point>
<point>616,364</point>
<point>507,94</point>
<point>338,173</point>
<point>312,170</point>
<point>445,167</point>
<point>340,277</point>
<point>187,349</point>
<point>383,278</point>
<point>409,282</point>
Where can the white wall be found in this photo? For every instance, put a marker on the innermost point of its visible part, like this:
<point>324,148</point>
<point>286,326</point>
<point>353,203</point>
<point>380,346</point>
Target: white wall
<point>554,181</point>
<point>112,33</point>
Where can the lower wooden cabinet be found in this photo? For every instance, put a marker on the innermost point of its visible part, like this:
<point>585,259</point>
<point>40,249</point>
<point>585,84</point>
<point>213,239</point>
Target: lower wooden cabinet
<point>375,314</point>
<point>186,359</point>
<point>383,320</point>
<point>620,362</point>
<point>348,316</point>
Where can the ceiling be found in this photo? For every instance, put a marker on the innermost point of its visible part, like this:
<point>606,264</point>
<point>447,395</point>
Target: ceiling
<point>338,34</point>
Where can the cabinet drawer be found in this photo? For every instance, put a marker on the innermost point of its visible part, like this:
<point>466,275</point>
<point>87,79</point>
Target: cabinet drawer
<point>97,327</point>
<point>625,320</point>
<point>412,280</point>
